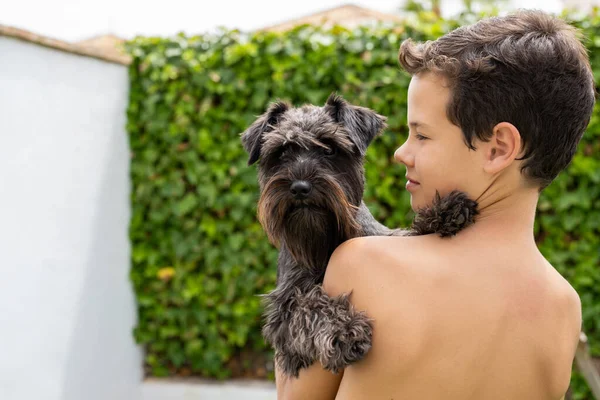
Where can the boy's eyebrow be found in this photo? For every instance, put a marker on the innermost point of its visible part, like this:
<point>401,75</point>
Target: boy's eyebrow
<point>417,124</point>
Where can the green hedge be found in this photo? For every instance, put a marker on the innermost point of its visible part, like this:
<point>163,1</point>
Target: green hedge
<point>200,258</point>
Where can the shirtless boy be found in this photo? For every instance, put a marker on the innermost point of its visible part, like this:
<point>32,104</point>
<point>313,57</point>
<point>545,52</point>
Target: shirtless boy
<point>496,110</point>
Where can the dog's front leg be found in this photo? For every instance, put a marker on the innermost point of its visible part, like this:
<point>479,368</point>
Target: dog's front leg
<point>320,328</point>
<point>285,326</point>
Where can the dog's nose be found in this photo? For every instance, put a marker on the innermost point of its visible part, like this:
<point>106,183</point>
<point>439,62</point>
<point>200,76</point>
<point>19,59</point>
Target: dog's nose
<point>300,189</point>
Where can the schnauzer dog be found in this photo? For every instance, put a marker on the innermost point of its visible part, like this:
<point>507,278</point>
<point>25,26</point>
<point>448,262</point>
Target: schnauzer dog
<point>311,179</point>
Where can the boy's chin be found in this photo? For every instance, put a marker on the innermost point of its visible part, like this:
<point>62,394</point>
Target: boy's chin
<point>415,205</point>
<point>417,202</point>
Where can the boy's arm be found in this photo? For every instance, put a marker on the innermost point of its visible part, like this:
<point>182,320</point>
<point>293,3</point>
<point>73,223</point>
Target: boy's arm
<point>312,383</point>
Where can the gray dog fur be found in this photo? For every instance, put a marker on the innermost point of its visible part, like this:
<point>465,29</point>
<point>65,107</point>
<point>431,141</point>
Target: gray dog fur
<point>311,178</point>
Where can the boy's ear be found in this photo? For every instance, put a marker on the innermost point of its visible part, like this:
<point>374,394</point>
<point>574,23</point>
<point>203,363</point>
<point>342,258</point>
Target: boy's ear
<point>253,136</point>
<point>361,123</point>
<point>503,148</point>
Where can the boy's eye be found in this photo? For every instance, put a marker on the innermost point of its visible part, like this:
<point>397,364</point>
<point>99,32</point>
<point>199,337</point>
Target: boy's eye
<point>421,137</point>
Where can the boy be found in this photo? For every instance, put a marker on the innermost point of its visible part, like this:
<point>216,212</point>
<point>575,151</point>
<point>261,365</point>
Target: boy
<point>496,110</point>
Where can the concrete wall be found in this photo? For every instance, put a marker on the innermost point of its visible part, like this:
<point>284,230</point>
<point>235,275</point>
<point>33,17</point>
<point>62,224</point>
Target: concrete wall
<point>66,305</point>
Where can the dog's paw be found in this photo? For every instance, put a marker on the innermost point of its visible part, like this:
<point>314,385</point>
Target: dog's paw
<point>447,215</point>
<point>346,346</point>
<point>343,335</point>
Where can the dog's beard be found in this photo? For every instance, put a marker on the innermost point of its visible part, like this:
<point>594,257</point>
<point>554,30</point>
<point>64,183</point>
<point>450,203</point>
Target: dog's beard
<point>311,230</point>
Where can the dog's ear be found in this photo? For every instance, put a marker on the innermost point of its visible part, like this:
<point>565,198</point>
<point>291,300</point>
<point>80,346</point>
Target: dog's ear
<point>362,123</point>
<point>252,137</point>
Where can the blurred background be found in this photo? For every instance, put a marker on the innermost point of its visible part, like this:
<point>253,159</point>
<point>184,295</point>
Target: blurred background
<point>132,256</point>
<point>73,20</point>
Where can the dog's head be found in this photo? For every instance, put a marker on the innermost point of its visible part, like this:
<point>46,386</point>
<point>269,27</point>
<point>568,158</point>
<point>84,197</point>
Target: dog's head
<point>311,172</point>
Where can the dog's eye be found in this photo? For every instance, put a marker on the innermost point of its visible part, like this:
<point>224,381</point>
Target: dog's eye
<point>329,151</point>
<point>280,153</point>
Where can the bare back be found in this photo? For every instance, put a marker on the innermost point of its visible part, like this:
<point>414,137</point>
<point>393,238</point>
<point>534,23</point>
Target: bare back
<point>494,321</point>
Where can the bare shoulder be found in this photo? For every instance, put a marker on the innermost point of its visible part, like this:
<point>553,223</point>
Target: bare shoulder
<point>366,247</point>
<point>346,266</point>
<point>566,320</point>
<point>573,313</point>
<point>387,277</point>
<point>568,302</point>
<point>367,265</point>
<point>352,257</point>
<point>566,298</point>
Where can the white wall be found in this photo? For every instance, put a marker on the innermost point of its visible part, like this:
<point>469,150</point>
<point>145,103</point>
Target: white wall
<point>66,304</point>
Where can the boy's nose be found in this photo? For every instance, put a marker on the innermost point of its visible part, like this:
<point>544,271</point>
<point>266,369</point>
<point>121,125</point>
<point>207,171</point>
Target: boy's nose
<point>403,156</point>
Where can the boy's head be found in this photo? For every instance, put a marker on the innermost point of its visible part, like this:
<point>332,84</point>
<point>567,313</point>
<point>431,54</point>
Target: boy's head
<point>518,89</point>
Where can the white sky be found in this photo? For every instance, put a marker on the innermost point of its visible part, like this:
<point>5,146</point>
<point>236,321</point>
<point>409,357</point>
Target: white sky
<point>73,20</point>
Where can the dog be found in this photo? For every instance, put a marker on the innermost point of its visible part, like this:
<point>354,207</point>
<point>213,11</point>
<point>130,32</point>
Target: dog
<point>311,180</point>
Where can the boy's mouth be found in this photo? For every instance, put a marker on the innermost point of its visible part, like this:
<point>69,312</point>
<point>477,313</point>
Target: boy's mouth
<point>411,185</point>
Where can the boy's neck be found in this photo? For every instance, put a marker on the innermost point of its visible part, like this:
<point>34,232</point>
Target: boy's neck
<point>506,214</point>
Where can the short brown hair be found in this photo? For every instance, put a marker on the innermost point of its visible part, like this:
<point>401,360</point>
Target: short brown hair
<point>528,68</point>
